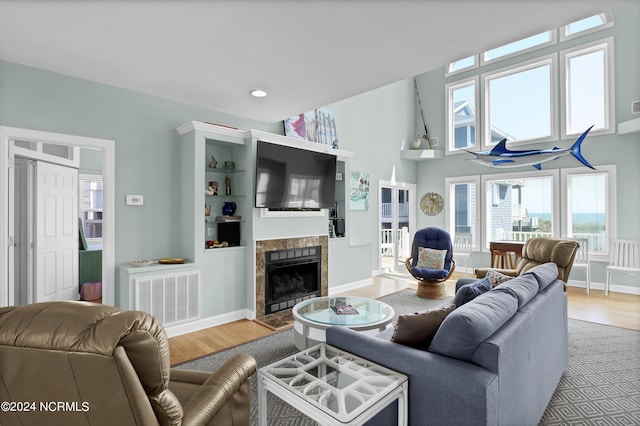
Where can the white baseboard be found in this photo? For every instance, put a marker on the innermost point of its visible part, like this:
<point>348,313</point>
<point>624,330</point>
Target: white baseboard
<point>350,286</point>
<point>626,289</point>
<point>208,322</point>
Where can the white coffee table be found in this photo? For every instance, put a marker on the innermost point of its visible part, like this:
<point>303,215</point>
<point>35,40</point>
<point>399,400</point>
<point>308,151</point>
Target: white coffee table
<point>332,386</point>
<point>312,317</point>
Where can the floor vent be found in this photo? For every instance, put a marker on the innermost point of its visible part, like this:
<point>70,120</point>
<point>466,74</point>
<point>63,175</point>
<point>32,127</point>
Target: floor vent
<point>172,299</point>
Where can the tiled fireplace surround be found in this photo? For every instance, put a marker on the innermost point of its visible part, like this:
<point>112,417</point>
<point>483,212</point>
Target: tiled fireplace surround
<point>264,246</point>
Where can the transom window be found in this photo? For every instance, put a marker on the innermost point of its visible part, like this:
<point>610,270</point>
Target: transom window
<point>586,26</point>
<point>462,64</point>
<point>518,47</point>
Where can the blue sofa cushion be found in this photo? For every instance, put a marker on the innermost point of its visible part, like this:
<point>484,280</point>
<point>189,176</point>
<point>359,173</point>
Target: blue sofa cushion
<point>417,330</point>
<point>525,287</point>
<point>545,274</point>
<point>470,291</point>
<point>466,327</point>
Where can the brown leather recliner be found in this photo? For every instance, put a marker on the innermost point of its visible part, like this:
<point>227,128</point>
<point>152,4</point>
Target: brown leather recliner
<point>537,251</point>
<point>78,363</point>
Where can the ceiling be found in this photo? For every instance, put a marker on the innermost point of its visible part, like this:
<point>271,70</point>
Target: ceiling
<point>304,53</point>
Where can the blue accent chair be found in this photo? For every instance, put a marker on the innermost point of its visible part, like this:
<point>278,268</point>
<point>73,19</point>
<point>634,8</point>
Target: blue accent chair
<point>434,238</point>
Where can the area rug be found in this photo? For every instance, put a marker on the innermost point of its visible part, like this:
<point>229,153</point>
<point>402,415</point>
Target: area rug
<point>601,384</point>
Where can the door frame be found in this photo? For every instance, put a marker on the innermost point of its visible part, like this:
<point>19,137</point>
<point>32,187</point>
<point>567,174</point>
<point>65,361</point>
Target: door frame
<point>6,204</point>
<point>395,186</point>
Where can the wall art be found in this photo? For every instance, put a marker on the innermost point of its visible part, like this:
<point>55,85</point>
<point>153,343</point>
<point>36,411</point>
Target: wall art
<point>359,191</point>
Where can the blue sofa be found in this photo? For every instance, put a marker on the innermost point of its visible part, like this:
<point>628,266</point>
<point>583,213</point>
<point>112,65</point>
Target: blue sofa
<point>495,360</point>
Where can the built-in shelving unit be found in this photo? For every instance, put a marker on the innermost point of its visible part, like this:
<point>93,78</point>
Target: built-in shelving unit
<point>630,126</point>
<point>212,156</point>
<point>421,154</point>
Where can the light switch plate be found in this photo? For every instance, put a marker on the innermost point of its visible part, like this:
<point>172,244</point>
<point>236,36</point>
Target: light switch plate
<point>134,200</point>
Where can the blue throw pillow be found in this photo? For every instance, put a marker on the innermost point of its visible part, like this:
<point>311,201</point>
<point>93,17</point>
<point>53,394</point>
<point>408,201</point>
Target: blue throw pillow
<point>470,291</point>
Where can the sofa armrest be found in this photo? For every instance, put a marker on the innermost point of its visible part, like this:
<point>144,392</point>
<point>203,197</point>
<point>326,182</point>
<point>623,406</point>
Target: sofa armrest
<point>217,389</point>
<point>481,272</point>
<point>444,390</point>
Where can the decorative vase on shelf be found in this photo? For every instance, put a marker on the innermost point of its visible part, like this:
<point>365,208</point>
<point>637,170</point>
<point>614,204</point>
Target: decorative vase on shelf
<point>228,208</point>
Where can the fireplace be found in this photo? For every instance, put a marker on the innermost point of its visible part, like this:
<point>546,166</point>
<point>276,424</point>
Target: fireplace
<point>276,253</point>
<point>291,276</point>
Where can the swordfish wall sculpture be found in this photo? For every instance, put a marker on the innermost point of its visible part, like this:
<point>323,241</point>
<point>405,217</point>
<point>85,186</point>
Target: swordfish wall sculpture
<point>502,157</point>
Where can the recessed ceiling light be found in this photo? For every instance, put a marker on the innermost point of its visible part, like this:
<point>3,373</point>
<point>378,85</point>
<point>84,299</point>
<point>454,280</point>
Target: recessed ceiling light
<point>258,93</point>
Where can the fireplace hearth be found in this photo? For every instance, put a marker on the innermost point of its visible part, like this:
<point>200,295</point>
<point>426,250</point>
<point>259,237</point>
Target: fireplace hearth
<point>291,276</point>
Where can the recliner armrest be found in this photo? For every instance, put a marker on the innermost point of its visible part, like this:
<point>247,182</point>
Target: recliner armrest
<point>481,272</point>
<point>218,389</point>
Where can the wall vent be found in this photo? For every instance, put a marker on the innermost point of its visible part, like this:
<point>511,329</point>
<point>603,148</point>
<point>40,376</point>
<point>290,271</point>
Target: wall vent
<point>635,107</point>
<point>172,299</point>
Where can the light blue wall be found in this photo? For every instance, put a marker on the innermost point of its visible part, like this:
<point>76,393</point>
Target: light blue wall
<point>621,150</point>
<point>375,126</point>
<point>146,144</point>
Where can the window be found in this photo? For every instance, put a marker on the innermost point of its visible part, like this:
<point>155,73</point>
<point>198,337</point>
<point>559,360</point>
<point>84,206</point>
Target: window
<point>589,197</point>
<point>521,46</point>
<point>520,206</point>
<point>536,101</point>
<point>91,207</point>
<point>462,65</point>
<point>520,102</point>
<point>461,103</point>
<point>462,207</point>
<point>586,26</point>
<point>586,87</point>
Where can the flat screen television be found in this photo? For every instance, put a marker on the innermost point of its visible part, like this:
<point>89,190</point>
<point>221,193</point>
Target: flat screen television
<point>289,178</point>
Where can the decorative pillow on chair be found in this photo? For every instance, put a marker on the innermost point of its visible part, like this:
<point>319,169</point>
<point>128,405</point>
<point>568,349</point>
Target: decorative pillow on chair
<point>417,330</point>
<point>470,291</point>
<point>430,258</point>
<point>496,278</point>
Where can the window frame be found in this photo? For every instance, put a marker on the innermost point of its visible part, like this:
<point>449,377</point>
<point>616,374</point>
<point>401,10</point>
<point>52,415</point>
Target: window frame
<point>611,204</point>
<point>550,60</point>
<point>554,174</point>
<point>449,105</point>
<point>449,184</point>
<point>607,45</point>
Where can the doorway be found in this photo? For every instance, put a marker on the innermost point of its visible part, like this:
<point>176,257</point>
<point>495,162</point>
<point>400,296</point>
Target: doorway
<point>396,224</point>
<point>8,249</point>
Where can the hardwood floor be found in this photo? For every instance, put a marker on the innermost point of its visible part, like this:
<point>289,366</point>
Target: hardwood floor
<point>617,309</point>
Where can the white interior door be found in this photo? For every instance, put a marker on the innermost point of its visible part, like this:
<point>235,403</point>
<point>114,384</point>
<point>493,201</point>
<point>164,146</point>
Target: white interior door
<point>56,253</point>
